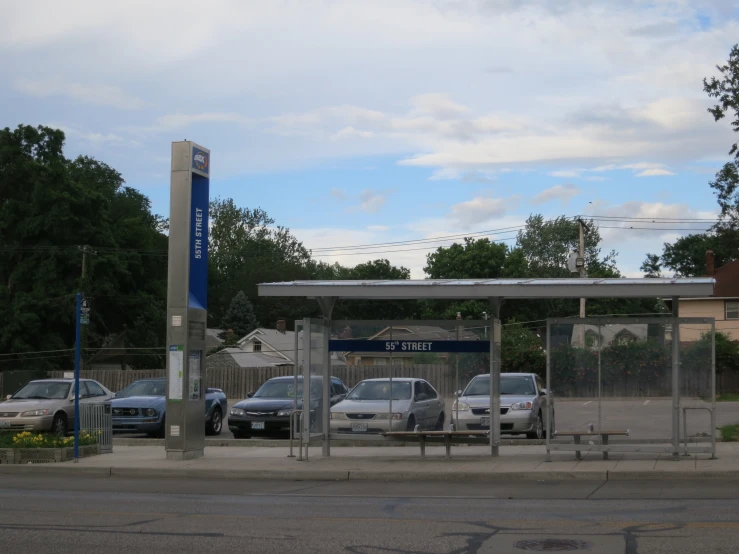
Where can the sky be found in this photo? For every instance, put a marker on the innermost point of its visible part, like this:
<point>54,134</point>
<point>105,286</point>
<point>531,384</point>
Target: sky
<point>356,123</point>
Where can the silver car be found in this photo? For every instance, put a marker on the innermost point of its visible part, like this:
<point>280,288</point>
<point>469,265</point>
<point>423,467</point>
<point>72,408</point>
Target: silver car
<point>366,409</point>
<point>48,405</point>
<point>522,405</point>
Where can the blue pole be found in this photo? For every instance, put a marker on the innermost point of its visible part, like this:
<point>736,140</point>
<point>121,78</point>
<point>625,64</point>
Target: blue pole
<point>77,346</point>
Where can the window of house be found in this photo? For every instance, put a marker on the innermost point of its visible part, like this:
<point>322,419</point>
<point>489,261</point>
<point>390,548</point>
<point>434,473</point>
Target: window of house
<point>625,337</point>
<point>732,310</point>
<point>257,346</point>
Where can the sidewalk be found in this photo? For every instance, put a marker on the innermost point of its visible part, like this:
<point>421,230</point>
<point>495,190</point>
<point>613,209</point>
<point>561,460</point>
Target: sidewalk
<point>468,463</point>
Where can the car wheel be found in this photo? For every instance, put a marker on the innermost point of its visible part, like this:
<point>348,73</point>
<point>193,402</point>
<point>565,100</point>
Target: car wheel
<point>162,433</point>
<point>59,425</point>
<point>552,427</point>
<point>215,423</point>
<point>440,423</point>
<point>411,423</point>
<point>538,429</point>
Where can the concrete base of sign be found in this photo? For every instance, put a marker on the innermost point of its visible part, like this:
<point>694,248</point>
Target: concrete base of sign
<point>181,455</point>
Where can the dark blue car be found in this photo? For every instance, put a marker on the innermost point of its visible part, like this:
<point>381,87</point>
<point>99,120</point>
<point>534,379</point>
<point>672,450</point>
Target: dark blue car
<point>141,406</point>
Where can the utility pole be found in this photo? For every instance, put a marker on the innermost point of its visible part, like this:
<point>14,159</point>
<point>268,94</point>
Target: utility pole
<point>583,274</point>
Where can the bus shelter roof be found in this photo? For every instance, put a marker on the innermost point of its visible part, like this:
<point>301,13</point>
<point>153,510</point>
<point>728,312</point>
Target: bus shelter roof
<point>451,289</point>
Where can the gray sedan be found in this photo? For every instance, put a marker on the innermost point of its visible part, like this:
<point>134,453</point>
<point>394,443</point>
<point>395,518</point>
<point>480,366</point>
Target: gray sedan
<point>48,405</point>
<point>522,405</point>
<point>366,408</point>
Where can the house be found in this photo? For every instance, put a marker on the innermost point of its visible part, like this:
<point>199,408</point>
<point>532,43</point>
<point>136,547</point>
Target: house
<point>213,338</point>
<point>408,332</point>
<point>593,336</point>
<point>265,348</point>
<point>723,306</point>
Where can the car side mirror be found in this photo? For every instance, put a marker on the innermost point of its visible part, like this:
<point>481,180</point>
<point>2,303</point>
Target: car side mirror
<point>249,394</point>
<point>420,397</point>
<point>458,394</point>
<point>543,392</point>
<point>9,397</point>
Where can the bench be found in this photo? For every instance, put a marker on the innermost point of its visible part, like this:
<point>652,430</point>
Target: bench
<point>447,435</point>
<point>602,434</point>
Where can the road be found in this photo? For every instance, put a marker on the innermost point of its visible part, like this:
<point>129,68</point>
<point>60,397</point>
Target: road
<point>74,515</point>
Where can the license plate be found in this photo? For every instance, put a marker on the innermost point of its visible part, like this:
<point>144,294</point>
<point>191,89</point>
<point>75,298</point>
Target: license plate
<point>359,427</point>
<point>4,424</point>
<point>485,421</point>
<point>257,425</point>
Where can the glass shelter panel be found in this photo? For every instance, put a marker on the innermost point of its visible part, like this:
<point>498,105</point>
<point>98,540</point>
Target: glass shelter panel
<point>697,381</point>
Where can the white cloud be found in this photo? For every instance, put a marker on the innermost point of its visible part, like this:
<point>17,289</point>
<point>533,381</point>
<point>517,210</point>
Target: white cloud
<point>351,132</point>
<point>560,192</point>
<point>370,201</point>
<point>654,172</point>
<point>479,210</point>
<point>378,228</point>
<point>566,173</point>
<point>99,94</point>
<point>339,194</point>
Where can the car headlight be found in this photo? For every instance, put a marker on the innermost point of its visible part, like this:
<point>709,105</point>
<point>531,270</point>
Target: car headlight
<point>521,406</point>
<point>284,413</point>
<point>460,406</point>
<point>151,412</point>
<point>238,412</point>
<point>338,415</point>
<point>35,413</point>
<point>396,417</point>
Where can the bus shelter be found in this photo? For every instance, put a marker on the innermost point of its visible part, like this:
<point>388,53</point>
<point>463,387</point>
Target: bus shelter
<point>318,344</point>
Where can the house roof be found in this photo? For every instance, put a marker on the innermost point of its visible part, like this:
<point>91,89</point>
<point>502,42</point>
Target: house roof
<point>727,280</point>
<point>212,340</point>
<point>283,343</point>
<point>254,359</point>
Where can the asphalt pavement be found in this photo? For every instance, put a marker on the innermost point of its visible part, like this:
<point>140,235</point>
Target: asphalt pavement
<point>644,418</point>
<point>43,514</point>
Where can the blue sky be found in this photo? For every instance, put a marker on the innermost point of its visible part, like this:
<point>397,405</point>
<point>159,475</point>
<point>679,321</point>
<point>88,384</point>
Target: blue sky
<point>355,122</point>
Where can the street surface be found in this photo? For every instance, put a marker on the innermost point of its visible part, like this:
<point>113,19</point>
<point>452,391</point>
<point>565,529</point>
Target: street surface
<point>43,514</point>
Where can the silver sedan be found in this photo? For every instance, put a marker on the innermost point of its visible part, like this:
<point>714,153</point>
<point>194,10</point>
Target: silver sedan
<point>522,405</point>
<point>366,408</point>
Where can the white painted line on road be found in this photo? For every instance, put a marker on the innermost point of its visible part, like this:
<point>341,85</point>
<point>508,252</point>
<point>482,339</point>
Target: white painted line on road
<point>588,402</point>
<point>647,402</point>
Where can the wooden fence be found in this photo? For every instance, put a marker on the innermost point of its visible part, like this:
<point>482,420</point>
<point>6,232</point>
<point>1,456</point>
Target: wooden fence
<point>236,383</point>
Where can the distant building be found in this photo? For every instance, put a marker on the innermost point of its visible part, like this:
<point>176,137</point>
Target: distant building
<point>723,306</point>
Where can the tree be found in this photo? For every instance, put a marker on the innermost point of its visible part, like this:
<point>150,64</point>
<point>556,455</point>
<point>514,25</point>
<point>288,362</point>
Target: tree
<point>686,256</point>
<point>651,266</point>
<point>240,317</point>
<point>49,207</point>
<point>475,259</point>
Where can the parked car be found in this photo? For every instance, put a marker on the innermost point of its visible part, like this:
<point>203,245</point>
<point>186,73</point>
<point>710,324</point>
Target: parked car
<point>267,412</point>
<point>366,409</point>
<point>48,405</point>
<point>522,405</point>
<point>141,408</point>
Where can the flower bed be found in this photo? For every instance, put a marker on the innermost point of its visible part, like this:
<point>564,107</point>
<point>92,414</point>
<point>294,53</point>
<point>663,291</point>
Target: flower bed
<point>26,447</point>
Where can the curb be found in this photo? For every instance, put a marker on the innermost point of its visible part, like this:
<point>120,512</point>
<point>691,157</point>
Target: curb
<point>358,475</point>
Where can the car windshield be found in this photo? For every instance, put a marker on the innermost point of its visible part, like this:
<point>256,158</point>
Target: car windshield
<point>380,390</point>
<point>285,388</point>
<point>520,385</point>
<point>43,390</point>
<point>144,388</point>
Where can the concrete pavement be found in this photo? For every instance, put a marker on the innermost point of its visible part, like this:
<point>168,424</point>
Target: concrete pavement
<point>469,463</point>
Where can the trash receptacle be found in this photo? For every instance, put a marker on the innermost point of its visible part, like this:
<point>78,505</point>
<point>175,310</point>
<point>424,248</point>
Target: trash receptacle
<point>97,419</point>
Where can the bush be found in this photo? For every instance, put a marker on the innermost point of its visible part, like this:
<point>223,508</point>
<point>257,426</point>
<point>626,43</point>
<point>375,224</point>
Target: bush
<point>26,439</point>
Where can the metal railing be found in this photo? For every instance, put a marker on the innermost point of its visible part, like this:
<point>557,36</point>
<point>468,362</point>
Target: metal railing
<point>712,425</point>
<point>296,417</point>
<point>97,419</point>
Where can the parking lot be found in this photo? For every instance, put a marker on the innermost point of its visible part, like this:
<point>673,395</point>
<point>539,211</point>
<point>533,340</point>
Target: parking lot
<point>644,418</point>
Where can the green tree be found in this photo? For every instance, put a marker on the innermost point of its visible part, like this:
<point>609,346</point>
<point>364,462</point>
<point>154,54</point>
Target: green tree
<point>476,259</point>
<point>239,317</point>
<point>49,207</point>
<point>651,267</point>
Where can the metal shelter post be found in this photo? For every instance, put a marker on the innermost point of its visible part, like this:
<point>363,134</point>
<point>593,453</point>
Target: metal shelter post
<point>495,378</point>
<point>549,390</point>
<point>713,389</point>
<point>307,347</point>
<point>327,307</point>
<point>675,378</point>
